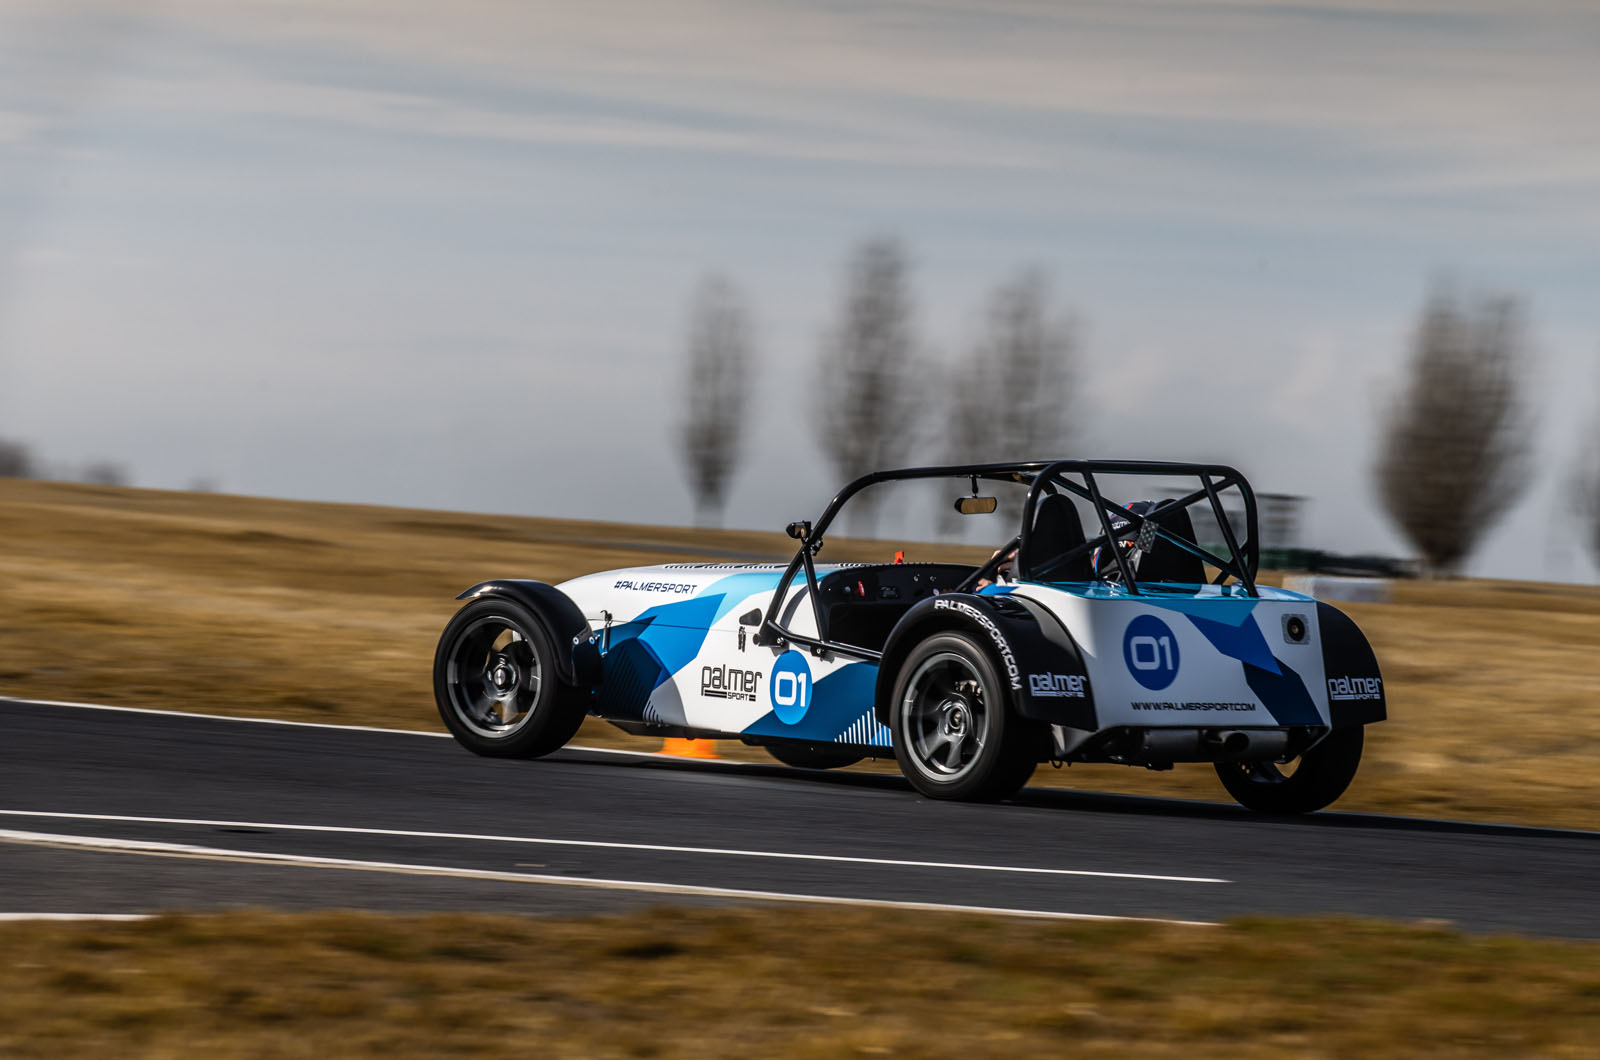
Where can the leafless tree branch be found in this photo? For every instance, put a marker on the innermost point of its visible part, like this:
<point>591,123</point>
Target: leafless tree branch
<point>1011,398</point>
<point>1454,448</point>
<point>717,388</point>
<point>870,390</point>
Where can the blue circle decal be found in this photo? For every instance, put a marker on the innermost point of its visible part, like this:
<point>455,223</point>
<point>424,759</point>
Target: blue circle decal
<point>789,688</point>
<point>1151,652</point>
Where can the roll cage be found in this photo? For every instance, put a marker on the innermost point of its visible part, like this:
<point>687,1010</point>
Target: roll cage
<point>1044,477</point>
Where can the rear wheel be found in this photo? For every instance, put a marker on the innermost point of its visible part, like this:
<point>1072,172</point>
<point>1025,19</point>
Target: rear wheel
<point>813,755</point>
<point>495,683</point>
<point>955,735</point>
<point>1306,784</point>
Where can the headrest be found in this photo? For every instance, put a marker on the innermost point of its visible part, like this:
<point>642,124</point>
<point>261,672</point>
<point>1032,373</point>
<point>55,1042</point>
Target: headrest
<point>1166,562</point>
<point>1056,531</point>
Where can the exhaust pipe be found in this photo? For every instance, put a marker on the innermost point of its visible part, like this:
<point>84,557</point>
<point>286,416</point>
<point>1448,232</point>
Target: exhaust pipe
<point>1222,742</point>
<point>1234,745</point>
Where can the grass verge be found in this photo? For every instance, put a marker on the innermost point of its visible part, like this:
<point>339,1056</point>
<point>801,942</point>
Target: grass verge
<point>330,612</point>
<point>808,983</point>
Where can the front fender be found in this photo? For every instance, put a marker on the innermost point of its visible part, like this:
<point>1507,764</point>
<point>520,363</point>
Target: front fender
<point>577,657</point>
<point>1035,654</point>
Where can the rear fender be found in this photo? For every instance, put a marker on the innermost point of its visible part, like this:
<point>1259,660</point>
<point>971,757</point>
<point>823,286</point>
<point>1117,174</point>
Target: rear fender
<point>577,656</point>
<point>1033,651</point>
<point>1355,687</point>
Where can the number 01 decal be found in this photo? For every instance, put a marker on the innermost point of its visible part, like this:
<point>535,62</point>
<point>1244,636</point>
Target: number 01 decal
<point>789,687</point>
<point>1151,652</point>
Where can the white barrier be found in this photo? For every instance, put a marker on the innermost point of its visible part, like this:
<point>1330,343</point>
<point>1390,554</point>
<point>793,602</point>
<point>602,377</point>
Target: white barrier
<point>1337,587</point>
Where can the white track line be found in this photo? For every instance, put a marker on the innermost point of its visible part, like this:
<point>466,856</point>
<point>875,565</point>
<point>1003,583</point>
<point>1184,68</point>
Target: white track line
<point>225,717</point>
<point>300,724</point>
<point>603,845</point>
<point>7,917</point>
<point>136,846</point>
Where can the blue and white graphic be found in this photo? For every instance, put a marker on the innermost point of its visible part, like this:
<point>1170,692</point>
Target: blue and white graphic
<point>790,687</point>
<point>1151,652</point>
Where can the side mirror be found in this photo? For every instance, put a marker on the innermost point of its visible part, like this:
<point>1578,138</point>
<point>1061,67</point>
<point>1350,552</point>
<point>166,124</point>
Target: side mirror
<point>799,530</point>
<point>975,505</point>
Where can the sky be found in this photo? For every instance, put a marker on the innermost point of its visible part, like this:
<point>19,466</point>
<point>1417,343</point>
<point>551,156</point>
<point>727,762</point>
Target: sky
<point>442,255</point>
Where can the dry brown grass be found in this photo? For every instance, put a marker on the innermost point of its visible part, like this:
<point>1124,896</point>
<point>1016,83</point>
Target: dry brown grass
<point>250,606</point>
<point>808,983</point>
<point>329,613</point>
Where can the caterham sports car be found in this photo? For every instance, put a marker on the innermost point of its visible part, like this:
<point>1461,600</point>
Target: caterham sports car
<point>1106,629</point>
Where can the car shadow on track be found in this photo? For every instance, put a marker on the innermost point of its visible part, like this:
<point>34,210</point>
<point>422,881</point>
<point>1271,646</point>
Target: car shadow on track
<point>1097,802</point>
<point>1092,801</point>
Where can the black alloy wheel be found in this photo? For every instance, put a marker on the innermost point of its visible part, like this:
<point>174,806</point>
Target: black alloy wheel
<point>496,685</point>
<point>955,733</point>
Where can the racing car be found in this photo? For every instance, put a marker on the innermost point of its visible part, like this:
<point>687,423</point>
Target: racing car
<point>1106,629</point>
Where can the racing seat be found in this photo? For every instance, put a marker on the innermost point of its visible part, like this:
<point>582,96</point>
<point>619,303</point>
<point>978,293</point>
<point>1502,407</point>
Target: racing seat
<point>1166,562</point>
<point>1056,531</point>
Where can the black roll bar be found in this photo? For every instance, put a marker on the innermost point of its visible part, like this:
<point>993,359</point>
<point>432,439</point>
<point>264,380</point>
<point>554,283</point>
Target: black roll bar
<point>1041,476</point>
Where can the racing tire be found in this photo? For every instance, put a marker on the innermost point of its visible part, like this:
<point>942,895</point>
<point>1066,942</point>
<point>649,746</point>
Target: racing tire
<point>955,733</point>
<point>496,685</point>
<point>814,755</point>
<point>1321,776</point>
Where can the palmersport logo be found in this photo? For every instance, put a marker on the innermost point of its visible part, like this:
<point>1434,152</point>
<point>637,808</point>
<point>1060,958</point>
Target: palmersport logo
<point>1012,672</point>
<point>1058,686</point>
<point>724,682</point>
<point>1345,688</point>
<point>678,588</point>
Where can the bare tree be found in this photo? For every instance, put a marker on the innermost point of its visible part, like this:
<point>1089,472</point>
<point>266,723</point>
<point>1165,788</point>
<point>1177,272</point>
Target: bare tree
<point>717,388</point>
<point>16,461</point>
<point>869,394</point>
<point>1454,448</point>
<point>1011,399</point>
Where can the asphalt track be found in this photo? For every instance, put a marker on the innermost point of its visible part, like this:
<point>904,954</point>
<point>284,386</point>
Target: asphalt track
<point>106,811</point>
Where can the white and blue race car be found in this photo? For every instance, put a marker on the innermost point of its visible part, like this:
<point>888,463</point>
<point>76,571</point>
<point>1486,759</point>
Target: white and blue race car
<point>1133,642</point>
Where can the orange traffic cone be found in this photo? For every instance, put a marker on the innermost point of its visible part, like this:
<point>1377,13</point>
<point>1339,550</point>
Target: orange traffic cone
<point>674,745</point>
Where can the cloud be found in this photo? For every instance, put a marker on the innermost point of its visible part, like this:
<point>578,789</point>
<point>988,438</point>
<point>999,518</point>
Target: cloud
<point>1362,100</point>
<point>1237,62</point>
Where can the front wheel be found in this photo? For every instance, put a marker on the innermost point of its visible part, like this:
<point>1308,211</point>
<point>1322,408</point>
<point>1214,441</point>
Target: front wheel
<point>955,735</point>
<point>495,683</point>
<point>1308,783</point>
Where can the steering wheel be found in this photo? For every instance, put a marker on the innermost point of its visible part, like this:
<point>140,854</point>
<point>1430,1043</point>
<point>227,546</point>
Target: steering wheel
<point>970,582</point>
